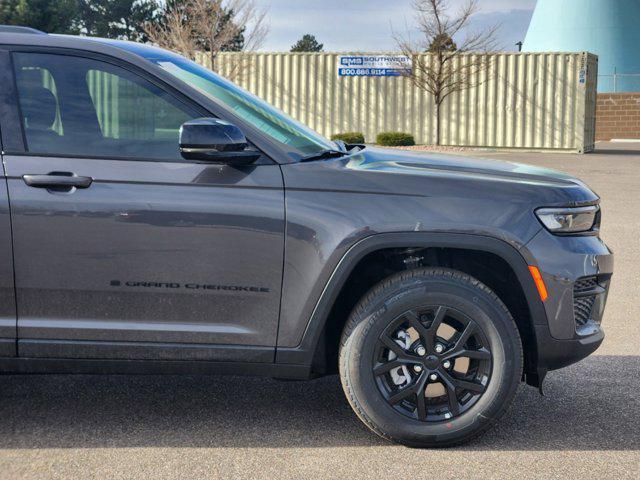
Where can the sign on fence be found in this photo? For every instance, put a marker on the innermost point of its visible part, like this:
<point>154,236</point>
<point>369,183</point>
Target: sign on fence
<point>373,65</point>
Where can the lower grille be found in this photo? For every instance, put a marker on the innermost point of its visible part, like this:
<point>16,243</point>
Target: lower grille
<point>582,309</point>
<point>585,284</point>
<point>583,300</point>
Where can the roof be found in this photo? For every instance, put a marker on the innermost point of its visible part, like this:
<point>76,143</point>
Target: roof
<point>20,29</point>
<point>118,48</point>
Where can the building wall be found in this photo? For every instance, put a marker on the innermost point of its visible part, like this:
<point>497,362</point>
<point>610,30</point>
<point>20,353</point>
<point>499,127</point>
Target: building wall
<point>618,116</point>
<point>524,100</point>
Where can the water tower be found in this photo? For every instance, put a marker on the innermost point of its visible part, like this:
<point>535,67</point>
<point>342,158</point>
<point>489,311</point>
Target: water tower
<point>608,28</point>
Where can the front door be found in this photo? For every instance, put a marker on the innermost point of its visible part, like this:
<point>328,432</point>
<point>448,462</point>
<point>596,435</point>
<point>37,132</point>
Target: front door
<point>123,249</point>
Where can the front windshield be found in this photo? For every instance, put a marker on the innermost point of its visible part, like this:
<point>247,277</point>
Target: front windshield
<point>271,121</point>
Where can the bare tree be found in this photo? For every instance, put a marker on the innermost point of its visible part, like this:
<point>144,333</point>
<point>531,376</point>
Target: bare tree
<point>439,65</point>
<point>212,26</point>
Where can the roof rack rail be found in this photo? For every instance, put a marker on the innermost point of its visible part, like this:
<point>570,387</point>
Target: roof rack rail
<point>19,29</point>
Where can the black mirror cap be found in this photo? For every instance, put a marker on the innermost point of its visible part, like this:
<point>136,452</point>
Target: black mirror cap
<point>213,134</point>
<point>214,140</point>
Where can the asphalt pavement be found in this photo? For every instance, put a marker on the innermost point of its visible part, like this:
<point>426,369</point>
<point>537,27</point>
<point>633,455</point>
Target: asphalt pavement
<point>188,427</point>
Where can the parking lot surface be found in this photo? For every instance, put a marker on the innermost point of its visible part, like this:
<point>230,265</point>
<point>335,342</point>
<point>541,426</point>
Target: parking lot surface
<point>152,427</point>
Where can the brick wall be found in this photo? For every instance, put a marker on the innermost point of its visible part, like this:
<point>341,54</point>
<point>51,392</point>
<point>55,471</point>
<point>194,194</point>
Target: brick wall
<point>618,116</point>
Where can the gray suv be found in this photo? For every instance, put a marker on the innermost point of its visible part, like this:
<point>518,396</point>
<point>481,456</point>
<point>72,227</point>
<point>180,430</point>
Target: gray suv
<point>156,218</point>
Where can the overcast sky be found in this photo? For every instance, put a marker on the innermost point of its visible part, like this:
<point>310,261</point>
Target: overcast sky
<point>367,25</point>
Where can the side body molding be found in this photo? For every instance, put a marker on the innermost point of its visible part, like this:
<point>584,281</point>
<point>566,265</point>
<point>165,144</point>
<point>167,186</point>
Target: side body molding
<point>514,256</point>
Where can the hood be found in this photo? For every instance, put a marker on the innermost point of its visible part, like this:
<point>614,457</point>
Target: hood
<point>411,163</point>
<point>390,190</point>
<point>408,173</point>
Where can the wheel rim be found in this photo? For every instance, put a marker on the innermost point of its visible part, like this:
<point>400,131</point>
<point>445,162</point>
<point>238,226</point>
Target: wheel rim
<point>426,347</point>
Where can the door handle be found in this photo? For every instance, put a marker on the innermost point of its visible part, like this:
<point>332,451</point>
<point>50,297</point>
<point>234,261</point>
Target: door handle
<point>57,179</point>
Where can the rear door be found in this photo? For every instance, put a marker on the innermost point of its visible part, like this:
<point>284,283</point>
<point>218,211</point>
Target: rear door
<point>123,249</point>
<point>7,292</point>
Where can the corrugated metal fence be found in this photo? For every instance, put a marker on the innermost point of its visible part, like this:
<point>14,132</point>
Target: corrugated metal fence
<point>524,100</point>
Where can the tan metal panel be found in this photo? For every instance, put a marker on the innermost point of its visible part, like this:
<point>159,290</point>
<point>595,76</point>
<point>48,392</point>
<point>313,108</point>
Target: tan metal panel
<point>524,100</point>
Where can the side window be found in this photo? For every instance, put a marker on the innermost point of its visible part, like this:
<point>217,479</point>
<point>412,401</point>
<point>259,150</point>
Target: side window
<point>84,107</point>
<point>43,87</point>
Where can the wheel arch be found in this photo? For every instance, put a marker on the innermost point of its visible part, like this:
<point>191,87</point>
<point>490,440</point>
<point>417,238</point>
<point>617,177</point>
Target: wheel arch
<point>312,348</point>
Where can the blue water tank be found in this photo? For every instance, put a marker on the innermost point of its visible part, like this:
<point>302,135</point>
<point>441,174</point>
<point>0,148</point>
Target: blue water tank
<point>608,28</point>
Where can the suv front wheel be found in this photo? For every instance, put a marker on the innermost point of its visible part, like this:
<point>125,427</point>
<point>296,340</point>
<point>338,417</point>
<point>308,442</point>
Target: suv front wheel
<point>430,358</point>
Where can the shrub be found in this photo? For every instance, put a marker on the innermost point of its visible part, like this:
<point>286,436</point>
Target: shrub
<point>395,139</point>
<point>349,137</point>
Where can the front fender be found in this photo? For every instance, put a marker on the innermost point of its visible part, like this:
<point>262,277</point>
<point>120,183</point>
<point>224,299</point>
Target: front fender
<point>517,259</point>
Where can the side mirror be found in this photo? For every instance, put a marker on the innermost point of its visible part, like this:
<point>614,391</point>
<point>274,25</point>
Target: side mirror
<point>216,141</point>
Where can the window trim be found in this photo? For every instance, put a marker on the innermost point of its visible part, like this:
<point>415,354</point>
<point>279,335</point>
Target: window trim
<point>176,94</point>
<point>11,131</point>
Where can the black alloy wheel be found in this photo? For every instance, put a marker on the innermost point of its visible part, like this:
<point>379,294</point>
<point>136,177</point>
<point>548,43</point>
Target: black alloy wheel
<point>412,358</point>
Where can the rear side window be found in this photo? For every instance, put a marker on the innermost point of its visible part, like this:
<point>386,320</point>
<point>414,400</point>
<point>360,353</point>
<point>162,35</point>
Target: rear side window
<point>83,107</point>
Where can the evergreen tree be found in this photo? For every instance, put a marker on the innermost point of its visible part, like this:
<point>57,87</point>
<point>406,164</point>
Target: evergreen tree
<point>124,19</point>
<point>101,18</point>
<point>308,43</point>
<point>442,42</point>
<point>59,16</point>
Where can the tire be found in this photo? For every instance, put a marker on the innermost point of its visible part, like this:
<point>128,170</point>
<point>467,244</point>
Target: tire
<point>473,400</point>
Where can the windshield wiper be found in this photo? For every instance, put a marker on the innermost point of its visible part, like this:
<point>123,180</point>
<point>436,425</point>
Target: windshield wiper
<point>329,153</point>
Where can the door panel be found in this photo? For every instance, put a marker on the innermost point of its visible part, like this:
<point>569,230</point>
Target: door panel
<point>123,249</point>
<point>149,252</point>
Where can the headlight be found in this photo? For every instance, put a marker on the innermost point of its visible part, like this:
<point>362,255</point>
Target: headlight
<point>569,220</point>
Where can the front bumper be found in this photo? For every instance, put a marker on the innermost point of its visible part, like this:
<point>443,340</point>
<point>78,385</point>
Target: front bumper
<point>577,273</point>
<point>554,353</point>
